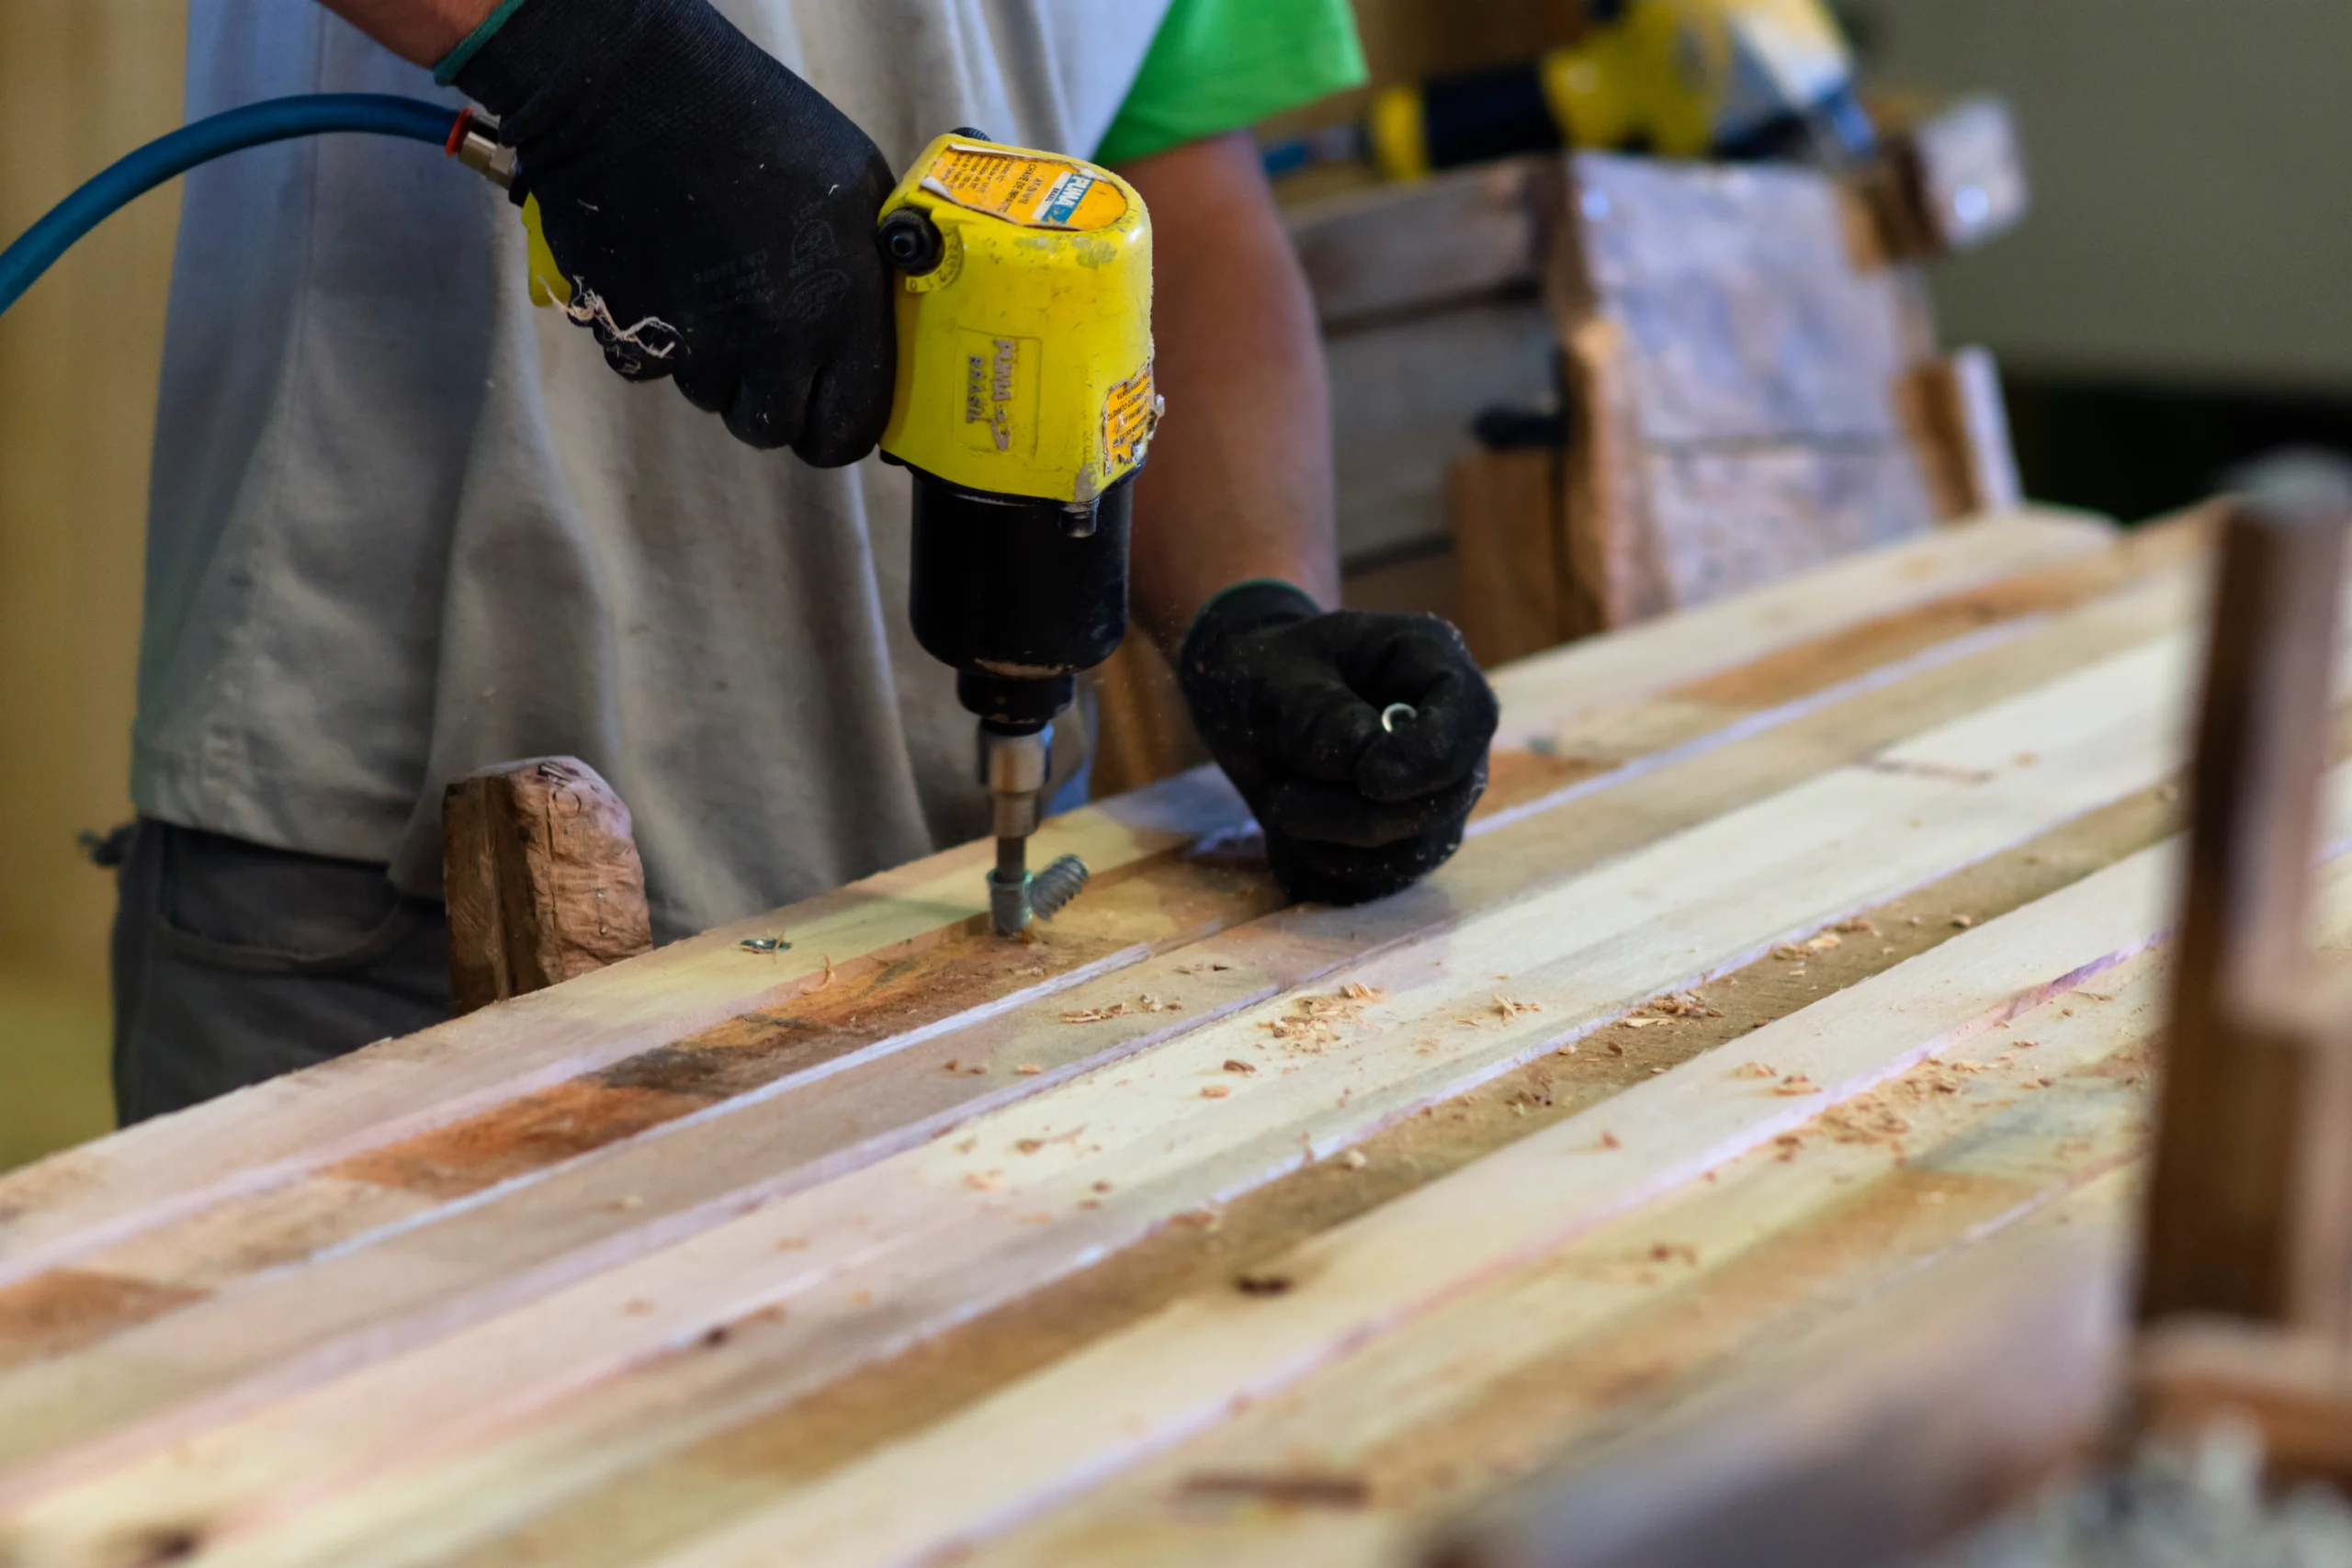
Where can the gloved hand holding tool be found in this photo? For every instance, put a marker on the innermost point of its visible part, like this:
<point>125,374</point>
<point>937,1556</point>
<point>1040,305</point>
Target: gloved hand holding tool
<point>1359,739</point>
<point>708,214</point>
<point>986,319</point>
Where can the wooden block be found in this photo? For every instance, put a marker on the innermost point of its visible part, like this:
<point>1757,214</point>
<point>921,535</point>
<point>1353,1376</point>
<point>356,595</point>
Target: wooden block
<point>543,879</point>
<point>1746,313</point>
<point>1504,508</point>
<point>1952,182</point>
<point>1614,576</point>
<point>2248,1214</point>
<point>1734,355</point>
<point>2192,1372</point>
<point>1959,431</point>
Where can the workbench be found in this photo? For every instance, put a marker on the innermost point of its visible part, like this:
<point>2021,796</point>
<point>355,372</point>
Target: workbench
<point>1804,941</point>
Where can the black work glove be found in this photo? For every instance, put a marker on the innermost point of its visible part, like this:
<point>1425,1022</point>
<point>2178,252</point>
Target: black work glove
<point>1290,700</point>
<point>713,213</point>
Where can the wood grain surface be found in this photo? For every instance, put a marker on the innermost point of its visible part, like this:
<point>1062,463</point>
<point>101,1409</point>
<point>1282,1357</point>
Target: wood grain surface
<point>1807,938</point>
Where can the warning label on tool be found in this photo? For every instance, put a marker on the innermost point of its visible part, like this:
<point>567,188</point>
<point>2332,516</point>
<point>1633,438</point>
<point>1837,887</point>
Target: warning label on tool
<point>1036,193</point>
<point>1129,412</point>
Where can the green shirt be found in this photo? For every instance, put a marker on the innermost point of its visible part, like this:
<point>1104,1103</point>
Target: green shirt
<point>1217,65</point>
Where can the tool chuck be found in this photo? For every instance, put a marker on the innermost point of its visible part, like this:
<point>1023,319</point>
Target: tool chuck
<point>1025,404</point>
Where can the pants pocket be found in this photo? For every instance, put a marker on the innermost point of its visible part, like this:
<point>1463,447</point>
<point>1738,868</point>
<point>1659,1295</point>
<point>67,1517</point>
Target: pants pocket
<point>234,905</point>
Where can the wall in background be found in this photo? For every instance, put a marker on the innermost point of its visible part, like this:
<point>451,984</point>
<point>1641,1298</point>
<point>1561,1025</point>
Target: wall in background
<point>2191,160</point>
<point>82,82</point>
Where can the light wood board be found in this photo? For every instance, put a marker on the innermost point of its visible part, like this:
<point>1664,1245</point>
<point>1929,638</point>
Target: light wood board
<point>545,1285</point>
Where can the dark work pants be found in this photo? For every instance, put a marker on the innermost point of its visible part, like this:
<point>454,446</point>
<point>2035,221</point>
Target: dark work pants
<point>234,963</point>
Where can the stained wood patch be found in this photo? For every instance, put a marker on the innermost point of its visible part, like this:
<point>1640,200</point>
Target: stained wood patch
<point>67,1308</point>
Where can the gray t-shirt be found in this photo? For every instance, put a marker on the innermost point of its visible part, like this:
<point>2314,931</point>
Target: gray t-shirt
<point>403,526</point>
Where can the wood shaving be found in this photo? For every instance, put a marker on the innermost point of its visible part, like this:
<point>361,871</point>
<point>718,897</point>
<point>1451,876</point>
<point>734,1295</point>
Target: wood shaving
<point>1824,943</point>
<point>1142,1004</point>
<point>1641,1023</point>
<point>1962,922</point>
<point>1754,1071</point>
<point>1510,1007</point>
<point>1353,1159</point>
<point>1609,1141</point>
<point>984,1180</point>
<point>1675,1251</point>
<point>1856,926</point>
<point>1215,1092</point>
<point>1795,1084</point>
<point>1028,1069</point>
<point>1313,1023</point>
<point>826,979</point>
<point>1683,1004</point>
<point>1208,966</point>
<point>1236,1064</point>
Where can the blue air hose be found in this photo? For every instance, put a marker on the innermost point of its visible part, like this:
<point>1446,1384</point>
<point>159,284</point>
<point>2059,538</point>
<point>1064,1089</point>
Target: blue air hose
<point>277,120</point>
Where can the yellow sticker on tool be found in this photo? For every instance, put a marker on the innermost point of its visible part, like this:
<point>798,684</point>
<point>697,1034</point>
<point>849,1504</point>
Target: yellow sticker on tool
<point>1036,193</point>
<point>1129,412</point>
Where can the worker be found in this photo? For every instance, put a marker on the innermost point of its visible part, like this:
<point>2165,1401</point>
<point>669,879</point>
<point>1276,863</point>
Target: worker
<point>404,526</point>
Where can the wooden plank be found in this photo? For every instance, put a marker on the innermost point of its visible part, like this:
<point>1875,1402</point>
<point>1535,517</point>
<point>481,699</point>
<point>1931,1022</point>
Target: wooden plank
<point>1745,879</point>
<point>541,877</point>
<point>1183,1370</point>
<point>1461,236</point>
<point>655,1189</point>
<point>160,1173</point>
<point>1403,397</point>
<point>163,1171</point>
<point>1648,1328</point>
<point>1541,694</point>
<point>1799,673</point>
<point>1912,1422</point>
